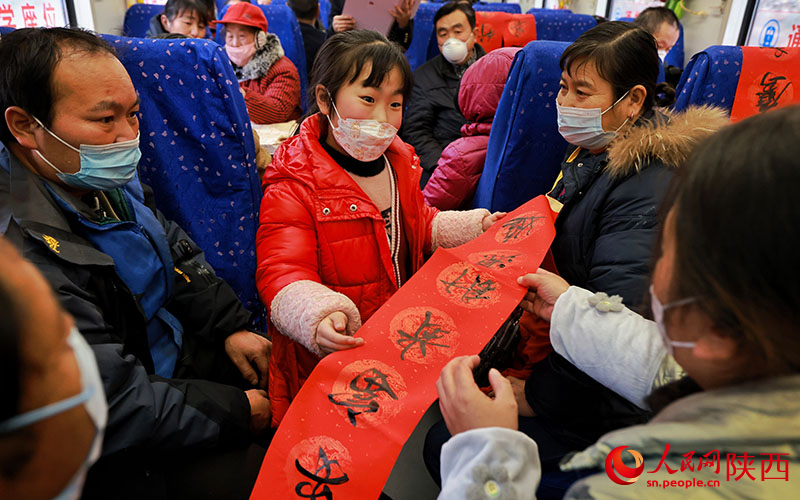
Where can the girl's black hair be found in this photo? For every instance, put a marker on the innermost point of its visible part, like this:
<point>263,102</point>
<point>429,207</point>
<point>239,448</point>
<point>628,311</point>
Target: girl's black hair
<point>625,56</point>
<point>343,57</point>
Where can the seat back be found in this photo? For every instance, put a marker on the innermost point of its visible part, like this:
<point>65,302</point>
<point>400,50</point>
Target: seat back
<point>561,25</point>
<point>282,22</point>
<point>137,19</point>
<point>5,29</point>
<point>710,78</point>
<point>525,149</point>
<point>324,12</point>
<point>198,152</point>
<point>511,8</point>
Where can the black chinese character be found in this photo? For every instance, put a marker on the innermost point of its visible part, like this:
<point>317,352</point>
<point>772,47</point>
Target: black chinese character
<point>496,260</point>
<point>425,334</point>
<point>363,398</point>
<point>323,466</point>
<point>768,97</point>
<point>519,227</point>
<point>472,290</point>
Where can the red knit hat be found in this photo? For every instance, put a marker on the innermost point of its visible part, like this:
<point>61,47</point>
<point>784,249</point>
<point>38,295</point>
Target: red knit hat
<point>246,14</point>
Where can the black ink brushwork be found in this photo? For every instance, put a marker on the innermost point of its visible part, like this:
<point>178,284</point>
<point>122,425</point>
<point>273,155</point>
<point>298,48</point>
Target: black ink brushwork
<point>323,482</point>
<point>474,290</point>
<point>768,97</point>
<point>424,336</point>
<point>519,227</point>
<point>363,398</point>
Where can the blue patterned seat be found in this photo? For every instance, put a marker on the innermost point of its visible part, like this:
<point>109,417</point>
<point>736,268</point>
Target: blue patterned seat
<point>282,22</point>
<point>198,152</point>
<point>4,30</point>
<point>561,25</point>
<point>710,78</point>
<point>137,19</point>
<point>513,8</point>
<point>324,12</point>
<point>525,148</point>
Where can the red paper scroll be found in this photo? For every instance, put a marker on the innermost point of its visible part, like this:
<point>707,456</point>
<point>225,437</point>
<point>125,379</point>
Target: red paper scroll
<point>344,431</point>
<point>769,79</point>
<point>490,29</point>
<point>519,30</point>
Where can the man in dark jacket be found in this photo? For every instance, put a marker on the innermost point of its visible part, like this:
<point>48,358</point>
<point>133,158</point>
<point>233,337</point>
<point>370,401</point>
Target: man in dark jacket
<point>307,14</point>
<point>170,337</point>
<point>432,119</point>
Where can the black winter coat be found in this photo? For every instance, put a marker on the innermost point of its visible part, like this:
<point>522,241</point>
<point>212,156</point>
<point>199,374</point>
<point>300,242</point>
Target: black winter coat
<point>606,234</point>
<point>432,119</point>
<point>145,410</point>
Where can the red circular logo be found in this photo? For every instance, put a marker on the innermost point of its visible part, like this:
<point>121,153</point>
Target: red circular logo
<point>615,468</point>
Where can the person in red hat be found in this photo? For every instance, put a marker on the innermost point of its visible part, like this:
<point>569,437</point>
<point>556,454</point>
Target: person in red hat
<point>268,79</point>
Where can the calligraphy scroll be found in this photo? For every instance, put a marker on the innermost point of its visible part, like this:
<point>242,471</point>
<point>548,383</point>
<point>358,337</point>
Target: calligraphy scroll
<point>346,427</point>
<point>769,79</point>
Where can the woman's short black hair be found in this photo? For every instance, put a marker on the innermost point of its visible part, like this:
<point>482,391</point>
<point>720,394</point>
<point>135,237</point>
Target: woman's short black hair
<point>624,55</point>
<point>174,8</point>
<point>343,57</point>
<point>28,58</point>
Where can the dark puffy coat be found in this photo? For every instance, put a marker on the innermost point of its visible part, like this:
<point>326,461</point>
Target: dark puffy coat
<point>453,183</point>
<point>432,119</point>
<point>606,231</point>
<point>145,410</point>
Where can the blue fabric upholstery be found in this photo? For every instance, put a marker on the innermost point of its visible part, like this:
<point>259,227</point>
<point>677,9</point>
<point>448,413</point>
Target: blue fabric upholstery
<point>423,42</point>
<point>513,8</point>
<point>710,78</point>
<point>675,55</point>
<point>4,30</point>
<point>282,22</point>
<point>525,148</point>
<point>561,25</point>
<point>137,19</point>
<point>324,12</point>
<point>417,52</point>
<point>198,152</point>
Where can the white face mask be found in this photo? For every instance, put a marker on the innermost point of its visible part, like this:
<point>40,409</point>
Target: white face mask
<point>584,126</point>
<point>455,50</point>
<point>92,397</point>
<point>662,54</point>
<point>658,316</point>
<point>364,140</point>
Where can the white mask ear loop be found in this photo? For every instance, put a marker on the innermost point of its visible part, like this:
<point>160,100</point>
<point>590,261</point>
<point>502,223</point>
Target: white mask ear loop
<point>62,141</point>
<point>615,103</point>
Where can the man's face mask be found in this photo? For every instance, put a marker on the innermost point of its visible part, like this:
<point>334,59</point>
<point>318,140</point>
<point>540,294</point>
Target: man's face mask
<point>103,167</point>
<point>92,397</point>
<point>455,50</point>
<point>584,126</point>
<point>364,140</point>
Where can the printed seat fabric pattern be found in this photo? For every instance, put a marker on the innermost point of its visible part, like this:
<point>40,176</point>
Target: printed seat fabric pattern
<point>282,22</point>
<point>198,152</point>
<point>561,25</point>
<point>423,42</point>
<point>137,19</point>
<point>525,149</point>
<point>710,78</point>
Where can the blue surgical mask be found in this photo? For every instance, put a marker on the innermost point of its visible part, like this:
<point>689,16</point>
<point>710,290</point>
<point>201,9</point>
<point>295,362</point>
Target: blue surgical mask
<point>658,316</point>
<point>584,126</point>
<point>103,167</point>
<point>91,397</point>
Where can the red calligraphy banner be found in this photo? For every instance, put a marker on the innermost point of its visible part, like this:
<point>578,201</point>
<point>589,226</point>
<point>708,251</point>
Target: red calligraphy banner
<point>346,427</point>
<point>768,80</point>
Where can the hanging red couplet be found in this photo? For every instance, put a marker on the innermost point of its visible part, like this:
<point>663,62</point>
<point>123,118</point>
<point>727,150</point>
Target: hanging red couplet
<point>768,80</point>
<point>346,427</point>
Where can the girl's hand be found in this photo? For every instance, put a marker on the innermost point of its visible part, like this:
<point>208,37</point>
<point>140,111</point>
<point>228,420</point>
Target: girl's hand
<point>491,219</point>
<point>402,13</point>
<point>343,23</point>
<point>331,334</point>
<point>544,288</point>
<point>464,407</point>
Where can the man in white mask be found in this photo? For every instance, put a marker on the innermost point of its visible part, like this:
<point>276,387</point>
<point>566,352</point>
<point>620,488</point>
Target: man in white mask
<point>54,411</point>
<point>179,368</point>
<point>432,119</point>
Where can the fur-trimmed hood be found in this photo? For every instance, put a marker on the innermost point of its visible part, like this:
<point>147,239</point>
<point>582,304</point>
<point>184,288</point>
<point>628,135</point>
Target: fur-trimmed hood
<point>265,56</point>
<point>668,137</point>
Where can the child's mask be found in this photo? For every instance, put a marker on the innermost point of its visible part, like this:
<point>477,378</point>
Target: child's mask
<point>364,140</point>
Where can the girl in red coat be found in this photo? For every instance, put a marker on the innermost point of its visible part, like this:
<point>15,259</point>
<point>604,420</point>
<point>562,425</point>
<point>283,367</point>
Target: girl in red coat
<point>343,223</point>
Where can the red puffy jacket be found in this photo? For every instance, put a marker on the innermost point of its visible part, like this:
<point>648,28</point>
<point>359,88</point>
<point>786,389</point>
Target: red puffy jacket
<point>317,225</point>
